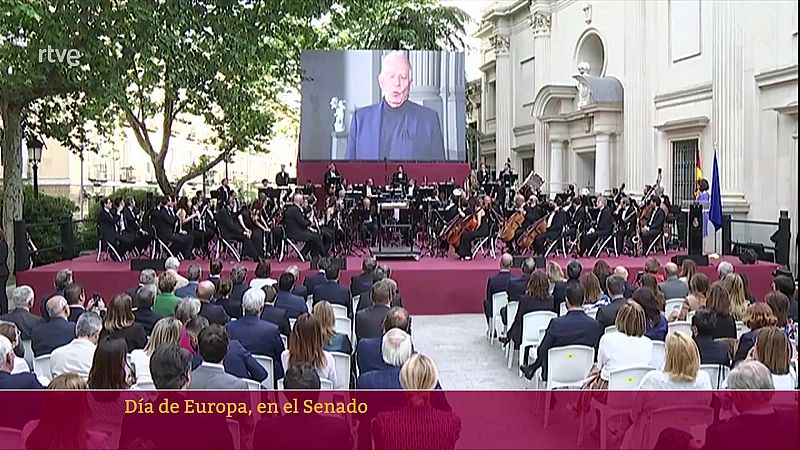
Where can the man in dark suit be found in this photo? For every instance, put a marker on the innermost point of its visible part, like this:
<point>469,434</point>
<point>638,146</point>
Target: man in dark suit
<point>369,320</point>
<point>143,314</point>
<point>362,282</point>
<point>75,299</point>
<point>214,313</point>
<point>24,380</point>
<point>399,178</point>
<point>193,275</point>
<point>20,315</point>
<point>292,304</point>
<point>574,328</point>
<point>602,228</point>
<point>332,291</point>
<point>497,283</point>
<point>297,227</point>
<point>62,279</point>
<point>380,273</point>
<point>576,217</point>
<point>556,222</point>
<point>311,281</point>
<point>215,272</point>
<point>655,226</point>
<point>232,231</point>
<point>50,335</point>
<point>108,219</point>
<point>299,290</point>
<point>368,351</point>
<point>282,178</point>
<point>165,223</point>
<point>395,128</point>
<point>258,336</point>
<point>132,231</point>
<point>273,314</point>
<point>223,192</point>
<point>233,306</point>
<point>518,285</point>
<point>574,270</point>
<point>325,431</point>
<point>783,283</point>
<point>396,349</point>
<point>607,314</point>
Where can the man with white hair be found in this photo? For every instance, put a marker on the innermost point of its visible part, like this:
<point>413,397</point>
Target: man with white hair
<point>622,271</point>
<point>396,349</point>
<point>58,331</point>
<point>258,336</point>
<point>672,287</point>
<point>171,265</point>
<point>24,380</point>
<point>724,269</point>
<point>298,228</point>
<point>395,128</point>
<point>20,315</point>
<point>76,357</point>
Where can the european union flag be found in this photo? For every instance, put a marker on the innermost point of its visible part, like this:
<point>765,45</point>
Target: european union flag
<point>715,214</point>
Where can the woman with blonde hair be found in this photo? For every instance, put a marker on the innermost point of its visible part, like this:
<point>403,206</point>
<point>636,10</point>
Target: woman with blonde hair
<point>734,284</point>
<point>331,340</point>
<point>121,323</point>
<point>774,350</point>
<point>419,373</point>
<point>167,331</point>
<point>681,367</point>
<point>555,274</point>
<point>68,382</point>
<point>698,289</point>
<point>305,345</point>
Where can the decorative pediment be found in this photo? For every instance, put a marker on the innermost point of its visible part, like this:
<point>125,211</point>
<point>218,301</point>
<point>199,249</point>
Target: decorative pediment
<point>592,89</point>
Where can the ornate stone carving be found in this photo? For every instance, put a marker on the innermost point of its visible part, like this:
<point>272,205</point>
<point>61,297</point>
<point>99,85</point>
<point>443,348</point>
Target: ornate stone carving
<point>584,93</point>
<point>587,11</point>
<point>500,43</point>
<point>540,23</point>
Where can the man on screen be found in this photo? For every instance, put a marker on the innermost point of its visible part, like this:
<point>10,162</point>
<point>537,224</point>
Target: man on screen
<point>395,128</point>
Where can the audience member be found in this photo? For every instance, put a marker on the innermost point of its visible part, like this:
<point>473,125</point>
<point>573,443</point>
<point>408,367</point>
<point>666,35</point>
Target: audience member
<point>25,380</point>
<point>311,281</point>
<point>649,281</point>
<point>698,290</point>
<point>574,270</point>
<point>143,314</point>
<point>362,282</point>
<point>368,321</point>
<point>166,301</point>
<point>724,269</point>
<point>233,304</point>
<point>734,285</point>
<point>214,313</point>
<point>331,340</point>
<point>187,311</point>
<point>171,366</point>
<point>704,323</point>
<point>273,314</point>
<point>147,277</point>
<point>305,345</point>
<point>56,332</point>
<point>673,287</point>
<point>785,285</point>
<point>20,314</point>
<point>681,367</point>
<point>258,336</point>
<point>607,315</point>
<point>574,328</point>
<point>299,290</point>
<point>773,349</point>
<point>496,284</point>
<point>368,351</point>
<point>53,429</point>
<point>779,304</point>
<point>656,327</point>
<point>110,368</point>
<point>330,290</point>
<point>688,269</point>
<point>76,298</point>
<point>602,271</point>
<point>120,322</point>
<point>62,279</point>
<point>396,349</point>
<point>263,274</point>
<point>627,347</point>
<point>294,305</point>
<point>172,265</point>
<point>555,275</point>
<point>622,272</point>
<point>517,286</point>
<point>193,275</point>
<point>77,356</point>
<point>536,298</point>
<point>167,332</point>
<point>215,272</point>
<point>595,297</point>
<point>212,344</point>
<point>653,267</point>
<point>719,303</point>
<point>748,294</point>
<point>68,382</point>
<point>759,315</point>
<point>10,331</point>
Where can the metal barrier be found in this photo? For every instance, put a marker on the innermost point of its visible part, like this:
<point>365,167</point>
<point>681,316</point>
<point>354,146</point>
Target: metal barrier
<point>770,240</point>
<point>47,242</point>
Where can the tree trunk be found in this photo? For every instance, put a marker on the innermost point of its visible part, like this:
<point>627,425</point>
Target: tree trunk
<point>12,173</point>
<point>161,178</point>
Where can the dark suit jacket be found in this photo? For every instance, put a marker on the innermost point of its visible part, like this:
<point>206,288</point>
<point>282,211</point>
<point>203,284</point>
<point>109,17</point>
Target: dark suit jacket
<point>368,355</point>
<point>43,304</point>
<point>228,225</point>
<point>147,318</point>
<point>605,223</point>
<point>48,336</point>
<point>277,316</point>
<point>726,327</point>
<point>388,379</point>
<point>233,305</point>
<point>300,291</point>
<point>360,284</point>
<point>131,221</point>
<point>75,311</point>
<point>240,363</point>
<point>559,221</point>
<point>292,304</point>
<point>259,337</point>
<point>107,221</point>
<point>214,313</point>
<point>656,221</point>
<point>746,342</point>
<point>325,432</point>
<point>517,286</point>
<point>311,281</point>
<point>366,300</point>
<point>497,283</point>
<point>607,315</point>
<point>422,136</point>
<point>369,322</point>
<point>629,290</point>
<point>163,222</point>
<point>215,280</point>
<point>560,293</point>
<point>296,224</point>
<point>24,320</point>
<point>334,293</point>
<point>713,352</point>
<point>527,304</point>
<point>187,291</point>
<point>22,381</point>
<point>134,335</point>
<point>574,328</point>
<point>739,432</point>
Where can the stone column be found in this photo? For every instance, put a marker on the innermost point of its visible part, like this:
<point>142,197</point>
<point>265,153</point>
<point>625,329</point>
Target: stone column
<point>728,120</point>
<point>638,155</point>
<point>456,79</point>
<point>501,42</point>
<point>556,175</point>
<point>426,77</point>
<point>602,163</point>
<point>540,25</point>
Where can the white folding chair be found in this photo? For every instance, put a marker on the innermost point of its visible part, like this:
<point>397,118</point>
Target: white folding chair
<point>291,323</point>
<point>511,314</point>
<point>567,367</point>
<point>28,352</point>
<point>533,324</point>
<point>658,355</point>
<point>310,302</point>
<point>626,379</point>
<point>356,301</point>
<point>11,439</point>
<point>342,370</point>
<point>345,326</point>
<point>683,418</point>
<point>562,309</point>
<point>672,304</point>
<point>689,316</point>
<point>339,311</point>
<point>41,367</point>
<point>611,329</point>
<point>717,372</point>
<point>268,364</point>
<point>499,300</point>
<point>252,385</point>
<point>680,326</point>
<point>145,386</point>
<point>236,434</point>
<point>741,329</point>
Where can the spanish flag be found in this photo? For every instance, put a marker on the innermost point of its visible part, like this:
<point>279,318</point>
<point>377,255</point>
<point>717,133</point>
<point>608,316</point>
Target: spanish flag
<point>698,173</point>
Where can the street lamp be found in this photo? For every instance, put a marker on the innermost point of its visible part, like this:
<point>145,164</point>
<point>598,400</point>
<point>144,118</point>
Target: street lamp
<point>35,147</point>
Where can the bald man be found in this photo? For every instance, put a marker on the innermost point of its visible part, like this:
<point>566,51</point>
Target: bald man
<point>55,333</point>
<point>395,128</point>
<point>497,283</point>
<point>215,313</point>
<point>298,228</point>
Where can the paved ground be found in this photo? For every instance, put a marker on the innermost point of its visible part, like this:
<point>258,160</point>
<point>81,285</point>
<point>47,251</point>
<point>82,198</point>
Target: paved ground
<point>458,345</point>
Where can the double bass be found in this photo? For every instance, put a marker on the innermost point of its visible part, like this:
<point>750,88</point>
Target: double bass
<point>459,225</point>
<point>511,226</point>
<point>529,235</point>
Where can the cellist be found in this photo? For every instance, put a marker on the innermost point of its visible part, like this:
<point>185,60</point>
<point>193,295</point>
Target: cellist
<point>520,211</point>
<point>479,228</point>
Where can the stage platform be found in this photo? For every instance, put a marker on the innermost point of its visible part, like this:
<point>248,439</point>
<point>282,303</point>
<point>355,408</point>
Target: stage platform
<point>429,286</point>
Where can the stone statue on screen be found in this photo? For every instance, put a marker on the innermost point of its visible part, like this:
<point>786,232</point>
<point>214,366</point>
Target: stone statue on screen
<point>584,94</point>
<point>338,107</point>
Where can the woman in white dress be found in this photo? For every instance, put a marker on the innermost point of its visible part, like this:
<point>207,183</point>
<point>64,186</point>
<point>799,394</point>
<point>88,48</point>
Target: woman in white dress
<point>166,331</point>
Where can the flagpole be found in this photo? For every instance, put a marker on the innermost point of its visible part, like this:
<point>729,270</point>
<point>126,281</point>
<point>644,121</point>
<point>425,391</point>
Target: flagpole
<point>714,161</point>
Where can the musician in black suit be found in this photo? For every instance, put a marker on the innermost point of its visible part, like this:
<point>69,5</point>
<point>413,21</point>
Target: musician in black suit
<point>399,178</point>
<point>332,179</point>
<point>481,209</point>
<point>282,178</point>
<point>602,229</point>
<point>108,220</point>
<point>483,175</point>
<point>655,226</point>
<point>556,222</point>
<point>204,225</point>
<point>223,192</point>
<point>297,228</point>
<point>133,225</point>
<point>165,222</point>
<point>231,230</point>
<point>368,217</point>
<point>577,216</point>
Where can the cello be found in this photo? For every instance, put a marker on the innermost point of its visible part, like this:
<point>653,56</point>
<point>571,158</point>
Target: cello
<point>531,233</point>
<point>511,226</point>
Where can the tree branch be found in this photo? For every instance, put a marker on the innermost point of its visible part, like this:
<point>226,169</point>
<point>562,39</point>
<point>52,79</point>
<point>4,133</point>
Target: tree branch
<point>197,171</point>
<point>166,126</point>
<point>140,131</point>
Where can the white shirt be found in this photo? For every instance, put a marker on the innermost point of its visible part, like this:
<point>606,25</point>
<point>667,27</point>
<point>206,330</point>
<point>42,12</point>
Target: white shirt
<point>618,351</point>
<point>75,357</point>
<point>660,380</point>
<point>328,372</point>
<point>141,362</point>
<point>785,382</point>
<point>258,283</point>
<point>20,366</point>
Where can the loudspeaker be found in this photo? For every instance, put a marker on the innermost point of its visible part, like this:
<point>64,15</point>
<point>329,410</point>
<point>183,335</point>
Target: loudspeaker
<point>700,260</point>
<point>137,265</point>
<point>695,241</point>
<point>748,256</point>
<point>518,260</point>
<point>339,262</point>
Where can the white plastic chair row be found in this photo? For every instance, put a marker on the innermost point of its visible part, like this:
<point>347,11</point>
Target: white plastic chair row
<point>511,315</point>
<point>567,368</point>
<point>672,304</point>
<point>533,326</point>
<point>680,326</point>
<point>499,300</point>
<point>268,364</point>
<point>717,372</point>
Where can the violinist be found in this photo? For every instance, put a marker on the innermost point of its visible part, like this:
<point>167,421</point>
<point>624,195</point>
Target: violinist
<point>577,216</point>
<point>601,229</point>
<point>521,217</point>
<point>479,227</point>
<point>454,206</point>
<point>655,225</point>
<point>108,221</point>
<point>556,221</point>
<point>202,226</point>
<point>231,229</point>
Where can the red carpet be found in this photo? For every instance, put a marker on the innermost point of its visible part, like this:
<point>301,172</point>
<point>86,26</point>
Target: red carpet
<point>429,286</point>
